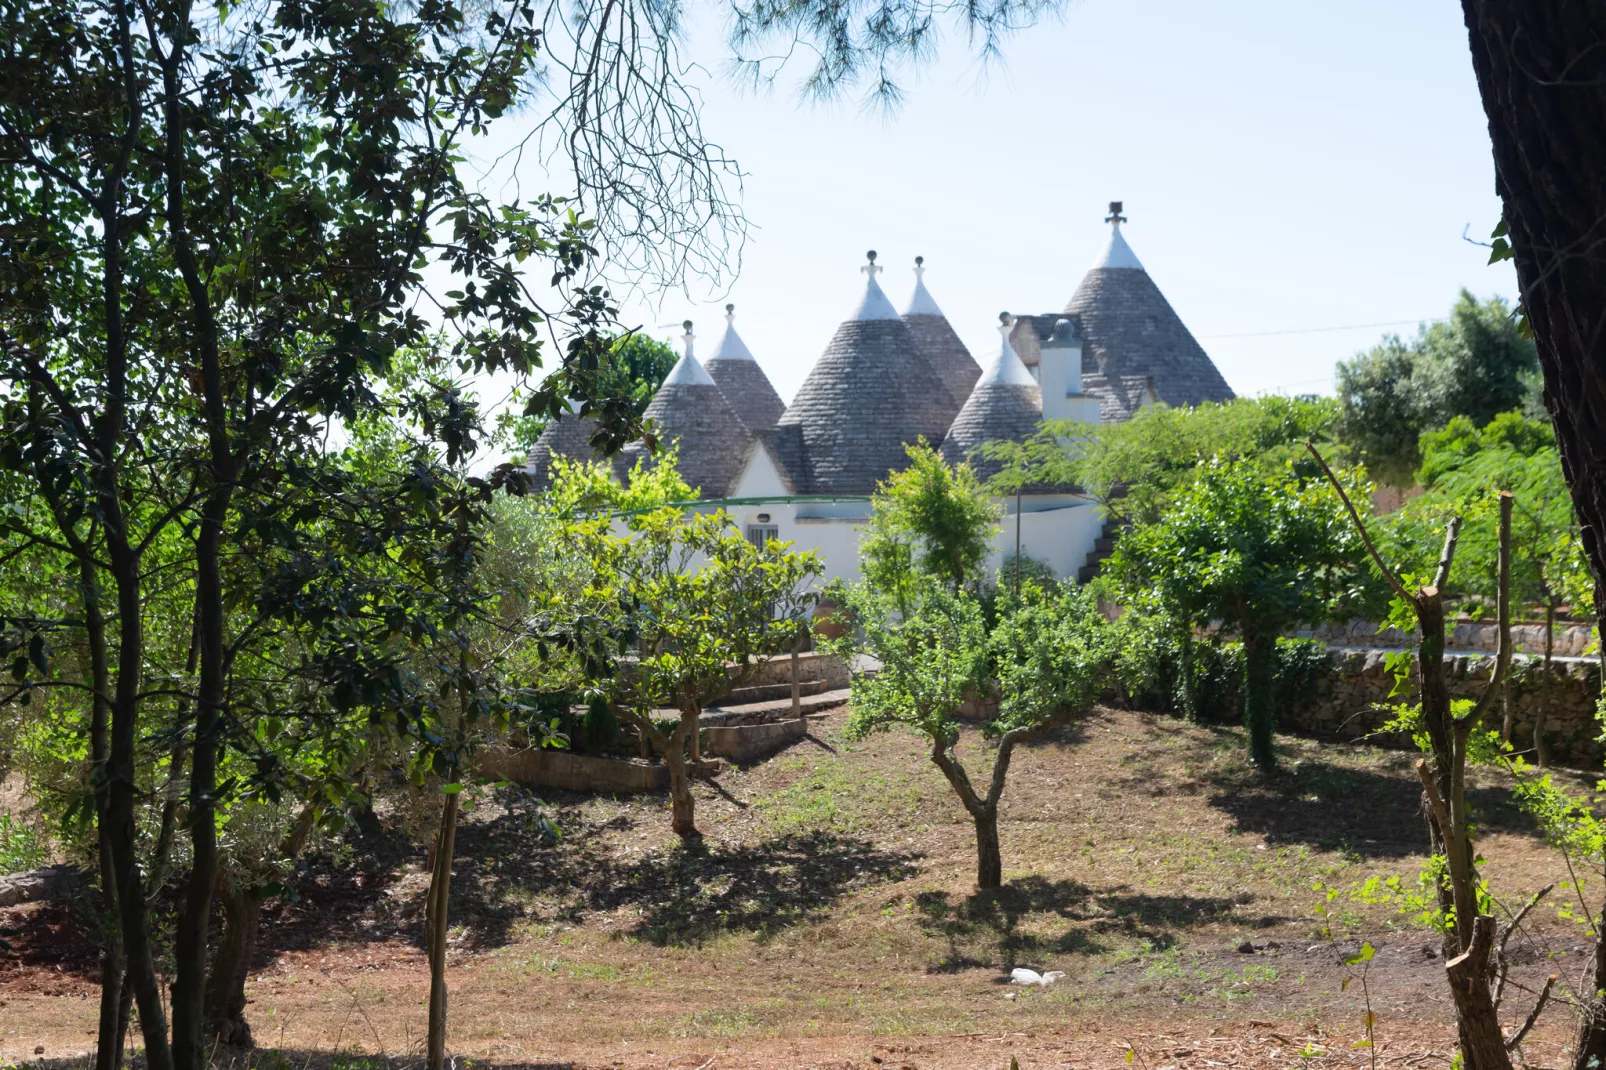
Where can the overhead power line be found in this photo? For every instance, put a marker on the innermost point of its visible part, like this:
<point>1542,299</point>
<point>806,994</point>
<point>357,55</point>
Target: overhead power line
<point>1323,330</point>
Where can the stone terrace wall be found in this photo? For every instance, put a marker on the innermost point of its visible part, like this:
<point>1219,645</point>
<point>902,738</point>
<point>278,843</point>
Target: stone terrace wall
<point>1568,640</point>
<point>1344,703</point>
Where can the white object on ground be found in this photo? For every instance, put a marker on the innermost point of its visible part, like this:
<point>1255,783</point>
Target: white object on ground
<point>1021,976</point>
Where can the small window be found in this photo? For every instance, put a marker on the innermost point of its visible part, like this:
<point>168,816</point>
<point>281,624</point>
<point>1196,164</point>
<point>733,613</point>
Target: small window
<point>760,534</point>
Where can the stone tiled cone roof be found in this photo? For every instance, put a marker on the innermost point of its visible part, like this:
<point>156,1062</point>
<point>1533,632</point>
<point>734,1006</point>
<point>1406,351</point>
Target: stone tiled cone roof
<point>946,355</point>
<point>1005,406</point>
<point>751,395</point>
<point>1129,328</point>
<point>1120,397</point>
<point>994,412</point>
<point>743,382</point>
<point>869,394</point>
<point>567,436</point>
<point>713,442</point>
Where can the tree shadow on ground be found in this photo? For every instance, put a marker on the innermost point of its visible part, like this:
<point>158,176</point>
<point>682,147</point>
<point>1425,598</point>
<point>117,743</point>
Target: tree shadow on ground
<point>339,894</point>
<point>985,928</point>
<point>683,895</point>
<point>334,1058</point>
<point>1373,814</point>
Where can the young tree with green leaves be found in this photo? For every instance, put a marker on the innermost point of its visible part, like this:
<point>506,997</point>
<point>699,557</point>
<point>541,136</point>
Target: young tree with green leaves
<point>1450,731</point>
<point>917,613</point>
<point>582,487</point>
<point>930,518</point>
<point>1259,552</point>
<point>679,606</point>
<point>934,654</point>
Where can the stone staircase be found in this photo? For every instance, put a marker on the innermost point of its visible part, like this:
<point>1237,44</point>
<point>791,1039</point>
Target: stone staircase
<point>1103,547</point>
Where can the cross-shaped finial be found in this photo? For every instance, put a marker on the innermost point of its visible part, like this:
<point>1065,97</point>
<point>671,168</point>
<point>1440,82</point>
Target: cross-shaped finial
<point>730,313</point>
<point>920,269</point>
<point>871,269</point>
<point>1115,217</point>
<point>688,337</point>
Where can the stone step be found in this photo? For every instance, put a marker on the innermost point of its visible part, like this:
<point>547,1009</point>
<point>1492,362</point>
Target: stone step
<point>775,708</point>
<point>739,696</point>
<point>1104,544</point>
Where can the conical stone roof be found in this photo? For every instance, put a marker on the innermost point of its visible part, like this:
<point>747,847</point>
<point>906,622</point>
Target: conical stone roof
<point>1130,329</point>
<point>947,355</point>
<point>869,394</point>
<point>742,381</point>
<point>567,436</point>
<point>1005,405</point>
<point>690,411</point>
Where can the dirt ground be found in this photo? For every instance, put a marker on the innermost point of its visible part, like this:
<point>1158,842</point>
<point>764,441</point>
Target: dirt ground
<point>831,920</point>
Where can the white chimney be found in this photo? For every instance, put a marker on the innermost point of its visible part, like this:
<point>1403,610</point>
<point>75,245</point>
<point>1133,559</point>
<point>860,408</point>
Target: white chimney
<point>1059,374</point>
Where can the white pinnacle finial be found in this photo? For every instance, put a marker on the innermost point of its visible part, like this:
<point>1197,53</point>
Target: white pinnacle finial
<point>1007,369</point>
<point>730,313</point>
<point>688,337</point>
<point>872,269</point>
<point>920,269</point>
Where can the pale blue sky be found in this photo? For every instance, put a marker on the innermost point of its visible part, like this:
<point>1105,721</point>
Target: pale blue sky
<point>1284,165</point>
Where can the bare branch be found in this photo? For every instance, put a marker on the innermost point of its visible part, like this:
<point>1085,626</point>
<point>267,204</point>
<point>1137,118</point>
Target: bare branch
<point>1452,533</point>
<point>1502,659</point>
<point>1533,1016</point>
<point>1431,789</point>
<point>1511,927</point>
<point>1388,574</point>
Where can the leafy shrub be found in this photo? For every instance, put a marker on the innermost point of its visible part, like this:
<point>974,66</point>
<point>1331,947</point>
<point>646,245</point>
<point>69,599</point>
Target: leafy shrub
<point>20,847</point>
<point>1148,660</point>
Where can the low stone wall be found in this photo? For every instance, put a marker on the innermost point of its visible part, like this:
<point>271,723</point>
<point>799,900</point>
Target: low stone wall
<point>1345,701</point>
<point>581,772</point>
<point>811,666</point>
<point>744,743</point>
<point>575,772</point>
<point>1568,640</point>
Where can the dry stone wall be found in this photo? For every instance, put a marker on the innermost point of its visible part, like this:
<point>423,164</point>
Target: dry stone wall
<point>1527,637</point>
<point>1349,700</point>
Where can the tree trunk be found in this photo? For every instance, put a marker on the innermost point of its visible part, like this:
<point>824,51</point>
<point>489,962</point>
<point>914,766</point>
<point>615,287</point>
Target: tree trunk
<point>1541,72</point>
<point>682,803</point>
<point>1189,683</point>
<point>194,923</point>
<point>1589,1046</point>
<point>108,1034</point>
<point>797,690</point>
<point>436,922</point>
<point>1260,660</point>
<point>1541,750</point>
<point>989,860</point>
<point>122,834</point>
<point>190,936</point>
<point>1483,1045</point>
<point>231,965</point>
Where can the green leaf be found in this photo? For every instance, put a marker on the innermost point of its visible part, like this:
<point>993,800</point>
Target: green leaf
<point>1363,955</point>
